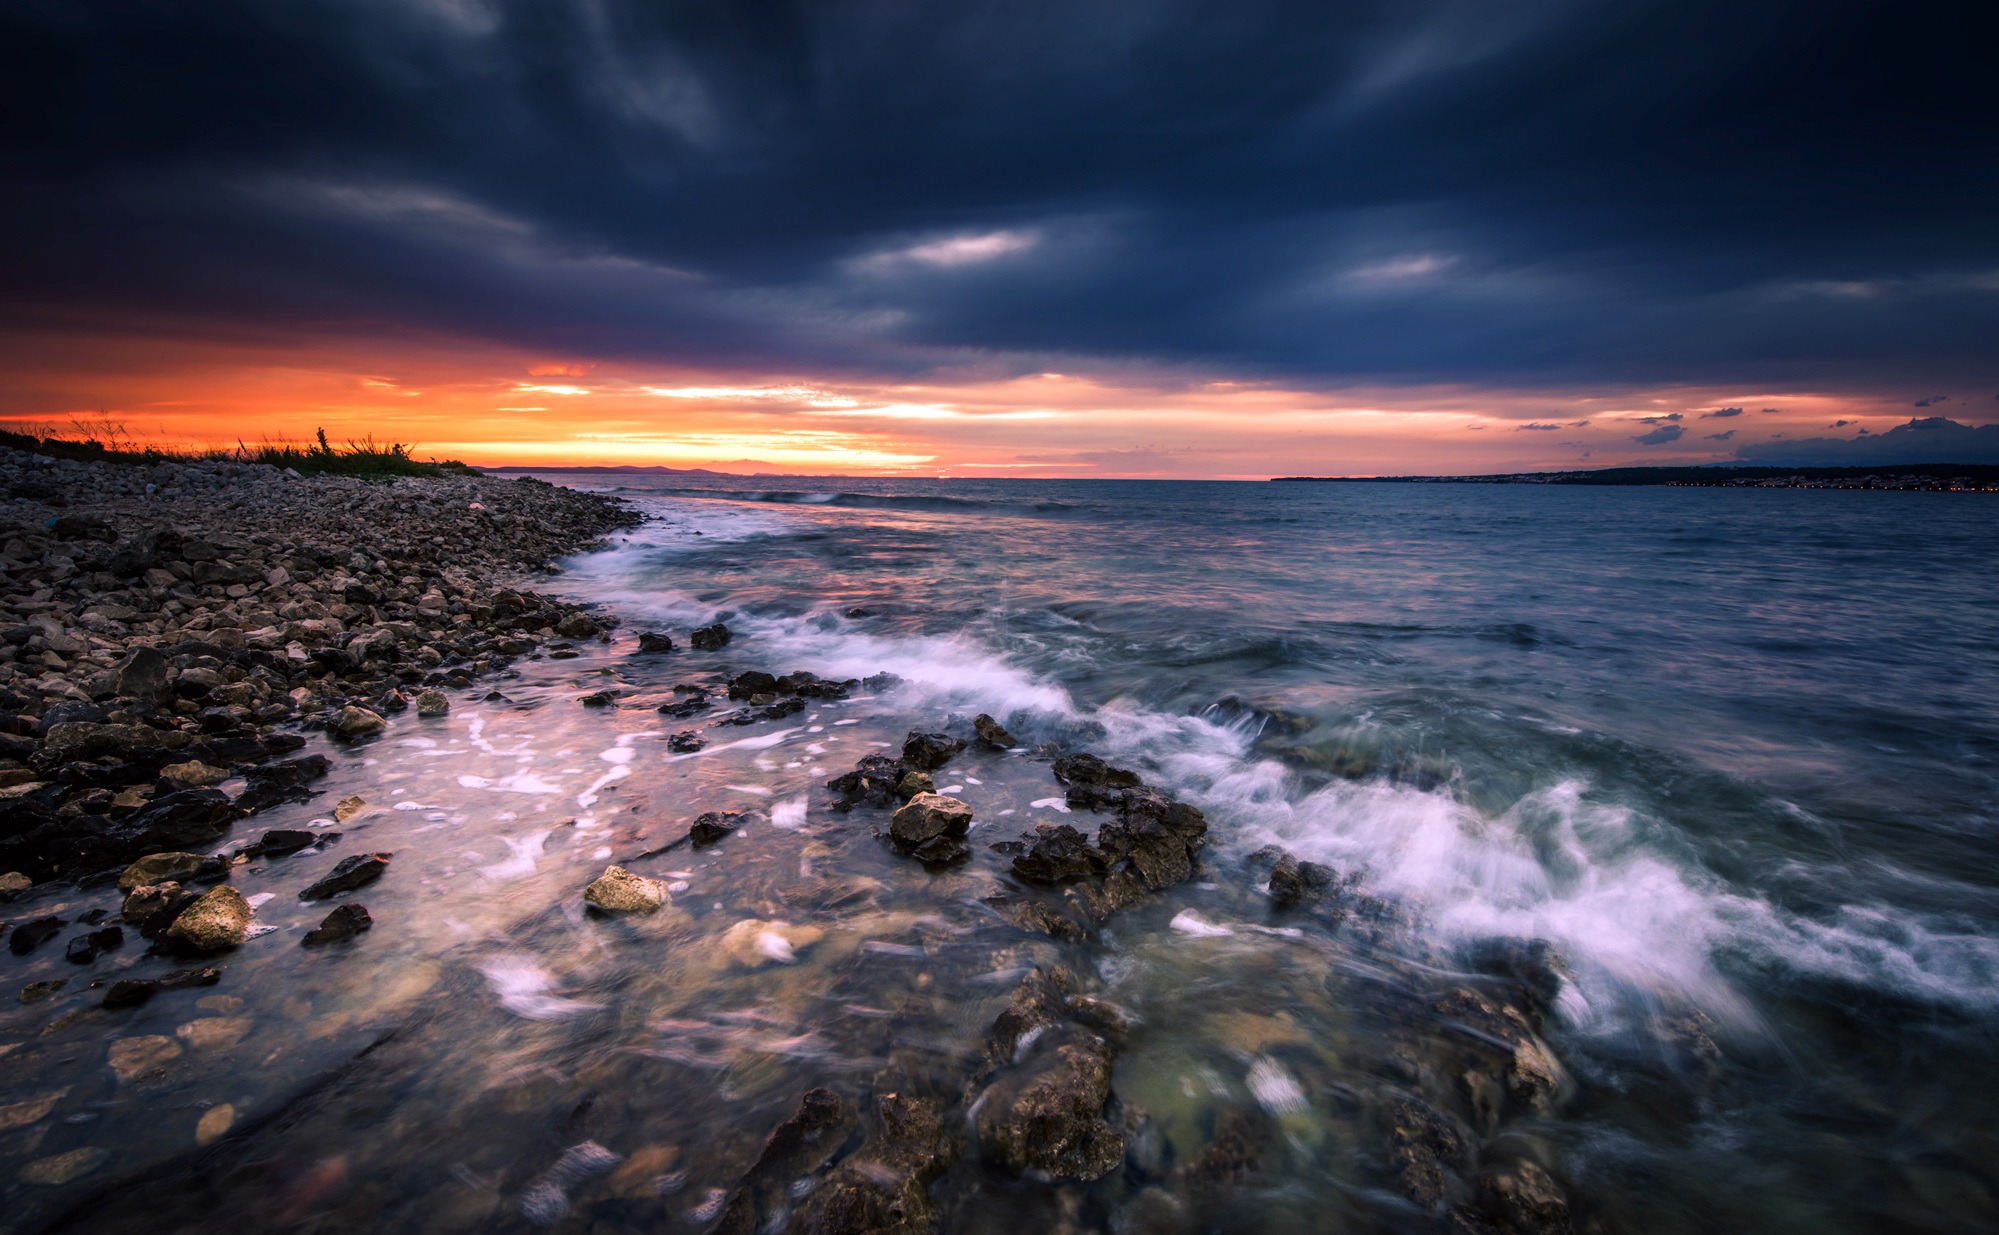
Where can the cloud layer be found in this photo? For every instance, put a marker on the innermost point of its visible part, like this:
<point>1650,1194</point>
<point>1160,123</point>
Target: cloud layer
<point>1389,190</point>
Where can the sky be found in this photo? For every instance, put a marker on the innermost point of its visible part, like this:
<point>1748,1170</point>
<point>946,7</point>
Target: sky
<point>1008,238</point>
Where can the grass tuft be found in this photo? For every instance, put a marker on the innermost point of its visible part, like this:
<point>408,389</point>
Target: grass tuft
<point>106,441</point>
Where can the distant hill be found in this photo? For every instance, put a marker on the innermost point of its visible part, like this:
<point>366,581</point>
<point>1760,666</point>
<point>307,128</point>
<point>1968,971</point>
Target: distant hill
<point>1891,476</point>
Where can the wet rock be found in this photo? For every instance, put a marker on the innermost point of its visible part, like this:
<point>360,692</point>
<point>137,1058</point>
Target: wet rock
<point>1293,882</point>
<point>1158,855</point>
<point>13,884</point>
<point>34,1110</point>
<point>211,1032</point>
<point>133,1059</point>
<point>131,992</point>
<point>1522,1200</point>
<point>350,873</point>
<point>684,708</point>
<point>1535,965</point>
<point>62,1168</point>
<point>1058,854</point>
<point>795,1149</point>
<point>84,949</point>
<point>1235,1153</point>
<point>992,733</point>
<point>349,807</point>
<point>354,723</point>
<point>754,943</point>
<point>1034,916</point>
<point>650,642</point>
<point>1045,1117</point>
<point>686,742</point>
<point>546,1198</point>
<point>618,890</point>
<point>219,919</point>
<point>159,868</point>
<point>1036,1005</point>
<point>872,783</point>
<point>599,699</point>
<point>1093,784</point>
<point>431,703</point>
<point>578,626</point>
<point>711,638</point>
<point>926,752</point>
<point>283,842</point>
<point>35,992</point>
<point>152,907</point>
<point>31,935</point>
<point>929,816</point>
<point>345,922</point>
<point>1429,1150</point>
<point>913,783</point>
<point>883,1188</point>
<point>214,1124</point>
<point>715,825</point>
<point>750,685</point>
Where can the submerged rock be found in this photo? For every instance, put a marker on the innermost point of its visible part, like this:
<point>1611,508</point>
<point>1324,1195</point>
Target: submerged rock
<point>31,935</point>
<point>344,922</point>
<point>86,948</point>
<point>283,842</point>
<point>1093,784</point>
<point>134,1058</point>
<point>873,782</point>
<point>1521,1200</point>
<point>350,873</point>
<point>617,890</point>
<point>131,992</point>
<point>754,943</point>
<point>686,742</point>
<point>883,1188</point>
<point>1046,1116</point>
<point>218,919</point>
<point>715,825</point>
<point>1293,882</point>
<point>795,1149</point>
<point>992,733</point>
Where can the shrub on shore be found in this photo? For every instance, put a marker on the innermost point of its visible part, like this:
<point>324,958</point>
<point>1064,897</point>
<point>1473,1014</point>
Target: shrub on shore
<point>110,443</point>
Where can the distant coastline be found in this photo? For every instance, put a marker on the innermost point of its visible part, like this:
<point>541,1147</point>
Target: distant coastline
<point>1929,477</point>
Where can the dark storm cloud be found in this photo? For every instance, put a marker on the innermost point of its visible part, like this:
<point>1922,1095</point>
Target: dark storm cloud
<point>1931,439</point>
<point>1410,189</point>
<point>1660,435</point>
<point>1721,437</point>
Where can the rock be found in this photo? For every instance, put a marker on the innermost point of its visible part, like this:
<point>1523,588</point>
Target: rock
<point>754,943</point>
<point>12,884</point>
<point>617,890</point>
<point>599,699</point>
<point>930,815</point>
<point>62,1168</point>
<point>1523,1200</point>
<point>431,703</point>
<point>147,906</point>
<point>283,842</point>
<point>35,992</point>
<point>1089,772</point>
<point>926,752</point>
<point>210,1032</point>
<point>796,1149</point>
<point>131,992</point>
<point>219,919</point>
<point>1292,881</point>
<point>133,1058</point>
<point>355,723</point>
<point>34,1110</point>
<point>348,807</point>
<point>913,783</point>
<point>1045,1117</point>
<point>884,1187</point>
<point>686,742</point>
<point>578,626</point>
<point>142,674</point>
<point>86,948</point>
<point>992,733</point>
<point>345,922</point>
<point>711,638</point>
<point>750,685</point>
<point>714,825</point>
<point>157,868</point>
<point>872,783</point>
<point>646,1174</point>
<point>684,708</point>
<point>1058,854</point>
<point>650,642</point>
<point>214,1124</point>
<point>31,935</point>
<point>196,773</point>
<point>350,873</point>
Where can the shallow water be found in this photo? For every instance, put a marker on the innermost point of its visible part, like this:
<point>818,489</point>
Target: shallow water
<point>1731,752</point>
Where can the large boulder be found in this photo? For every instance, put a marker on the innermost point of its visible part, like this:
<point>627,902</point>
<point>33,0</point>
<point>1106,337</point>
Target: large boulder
<point>219,919</point>
<point>617,890</point>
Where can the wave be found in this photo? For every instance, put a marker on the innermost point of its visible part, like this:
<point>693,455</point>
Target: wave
<point>862,501</point>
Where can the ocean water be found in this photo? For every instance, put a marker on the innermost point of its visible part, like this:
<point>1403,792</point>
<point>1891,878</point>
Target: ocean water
<point>1733,751</point>
<point>1733,755</point>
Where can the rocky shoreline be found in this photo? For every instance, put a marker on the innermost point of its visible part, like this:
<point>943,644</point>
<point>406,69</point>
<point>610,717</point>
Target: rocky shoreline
<point>170,628</point>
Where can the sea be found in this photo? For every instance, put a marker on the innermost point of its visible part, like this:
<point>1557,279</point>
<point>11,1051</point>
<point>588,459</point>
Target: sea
<point>1723,762</point>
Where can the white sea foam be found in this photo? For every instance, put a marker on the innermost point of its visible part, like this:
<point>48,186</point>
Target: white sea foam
<point>523,989</point>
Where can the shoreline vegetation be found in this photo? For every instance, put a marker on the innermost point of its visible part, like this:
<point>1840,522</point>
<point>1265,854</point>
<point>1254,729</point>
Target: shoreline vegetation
<point>1925,477</point>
